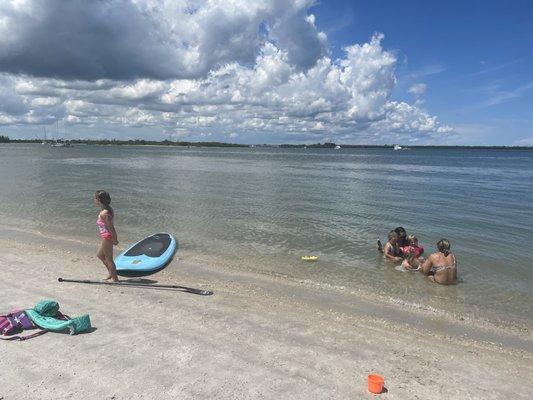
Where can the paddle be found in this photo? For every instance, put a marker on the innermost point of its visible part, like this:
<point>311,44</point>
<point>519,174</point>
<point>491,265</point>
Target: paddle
<point>138,284</point>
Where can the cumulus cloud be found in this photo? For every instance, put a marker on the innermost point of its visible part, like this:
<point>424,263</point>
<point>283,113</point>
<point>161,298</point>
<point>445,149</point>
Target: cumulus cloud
<point>158,39</point>
<point>234,68</point>
<point>10,101</point>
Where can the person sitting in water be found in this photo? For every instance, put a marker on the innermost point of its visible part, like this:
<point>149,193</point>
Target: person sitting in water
<point>402,236</point>
<point>412,254</point>
<point>391,251</point>
<point>441,266</point>
<point>402,239</point>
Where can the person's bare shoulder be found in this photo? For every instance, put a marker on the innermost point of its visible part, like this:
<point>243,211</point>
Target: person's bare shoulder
<point>105,214</point>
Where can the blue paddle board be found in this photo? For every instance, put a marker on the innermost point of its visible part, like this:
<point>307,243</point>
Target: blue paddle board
<point>149,254</point>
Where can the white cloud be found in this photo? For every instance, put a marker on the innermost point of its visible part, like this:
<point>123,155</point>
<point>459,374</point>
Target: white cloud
<point>528,141</point>
<point>157,39</point>
<point>231,67</point>
<point>44,102</point>
<point>418,89</point>
<point>502,96</point>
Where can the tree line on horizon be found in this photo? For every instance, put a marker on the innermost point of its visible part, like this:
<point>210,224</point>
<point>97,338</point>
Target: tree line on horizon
<point>327,145</point>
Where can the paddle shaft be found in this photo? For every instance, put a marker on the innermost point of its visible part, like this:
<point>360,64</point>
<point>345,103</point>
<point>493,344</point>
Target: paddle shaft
<point>135,284</point>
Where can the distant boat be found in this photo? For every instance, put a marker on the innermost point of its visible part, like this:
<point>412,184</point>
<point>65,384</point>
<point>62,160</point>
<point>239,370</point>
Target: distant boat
<point>60,143</point>
<point>398,147</point>
<point>337,147</point>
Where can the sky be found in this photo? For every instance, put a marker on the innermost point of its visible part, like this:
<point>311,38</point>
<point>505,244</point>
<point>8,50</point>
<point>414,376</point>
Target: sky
<point>268,71</point>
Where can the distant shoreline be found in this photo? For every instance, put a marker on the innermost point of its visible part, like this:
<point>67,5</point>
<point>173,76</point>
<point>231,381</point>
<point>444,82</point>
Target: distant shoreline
<point>328,145</point>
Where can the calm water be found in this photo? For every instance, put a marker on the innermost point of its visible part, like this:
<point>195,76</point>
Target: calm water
<point>261,209</point>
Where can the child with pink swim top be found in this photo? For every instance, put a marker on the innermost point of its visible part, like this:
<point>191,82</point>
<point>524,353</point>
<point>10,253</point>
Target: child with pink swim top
<point>107,232</point>
<point>412,254</point>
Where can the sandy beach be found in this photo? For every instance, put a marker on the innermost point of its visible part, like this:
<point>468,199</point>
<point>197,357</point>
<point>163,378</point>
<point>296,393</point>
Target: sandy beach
<point>311,193</point>
<point>257,337</point>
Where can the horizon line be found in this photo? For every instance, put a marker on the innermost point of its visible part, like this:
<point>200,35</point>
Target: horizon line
<point>166,142</point>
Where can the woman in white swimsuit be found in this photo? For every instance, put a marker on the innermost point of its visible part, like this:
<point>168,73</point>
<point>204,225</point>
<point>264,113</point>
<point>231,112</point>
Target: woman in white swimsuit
<point>441,267</point>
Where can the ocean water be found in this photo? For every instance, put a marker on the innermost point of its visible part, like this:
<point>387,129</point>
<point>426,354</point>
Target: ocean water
<point>261,209</point>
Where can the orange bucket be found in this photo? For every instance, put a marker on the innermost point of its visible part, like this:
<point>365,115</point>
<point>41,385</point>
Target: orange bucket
<point>375,383</point>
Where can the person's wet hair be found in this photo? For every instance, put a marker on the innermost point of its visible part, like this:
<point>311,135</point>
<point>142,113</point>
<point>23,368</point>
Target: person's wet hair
<point>444,246</point>
<point>400,231</point>
<point>392,234</point>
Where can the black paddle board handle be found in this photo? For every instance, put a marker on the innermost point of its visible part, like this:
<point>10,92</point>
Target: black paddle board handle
<point>138,284</point>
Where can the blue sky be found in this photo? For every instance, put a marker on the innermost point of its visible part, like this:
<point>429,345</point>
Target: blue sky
<point>476,58</point>
<point>269,71</point>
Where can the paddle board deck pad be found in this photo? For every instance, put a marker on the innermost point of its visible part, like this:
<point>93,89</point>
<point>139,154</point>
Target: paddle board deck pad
<point>149,254</point>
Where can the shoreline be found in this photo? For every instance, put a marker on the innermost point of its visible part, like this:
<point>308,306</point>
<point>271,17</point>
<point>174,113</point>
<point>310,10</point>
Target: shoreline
<point>285,334</point>
<point>348,300</point>
<point>256,337</point>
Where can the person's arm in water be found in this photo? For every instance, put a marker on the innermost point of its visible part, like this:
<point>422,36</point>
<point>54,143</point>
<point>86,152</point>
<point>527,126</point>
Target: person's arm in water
<point>106,216</point>
<point>426,267</point>
<point>388,253</point>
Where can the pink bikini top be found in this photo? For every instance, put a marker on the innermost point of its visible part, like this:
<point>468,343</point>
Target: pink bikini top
<point>416,251</point>
<point>102,226</point>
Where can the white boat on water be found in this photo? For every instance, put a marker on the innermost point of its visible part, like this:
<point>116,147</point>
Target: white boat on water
<point>60,143</point>
<point>397,147</point>
<point>337,147</point>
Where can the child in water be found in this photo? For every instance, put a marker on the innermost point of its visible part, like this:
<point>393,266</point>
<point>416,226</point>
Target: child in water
<point>412,254</point>
<point>107,232</point>
<point>391,251</point>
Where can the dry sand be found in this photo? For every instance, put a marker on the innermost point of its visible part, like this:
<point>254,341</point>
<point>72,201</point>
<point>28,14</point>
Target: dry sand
<point>257,337</point>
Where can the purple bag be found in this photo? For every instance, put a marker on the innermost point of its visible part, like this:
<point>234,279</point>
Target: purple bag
<point>14,322</point>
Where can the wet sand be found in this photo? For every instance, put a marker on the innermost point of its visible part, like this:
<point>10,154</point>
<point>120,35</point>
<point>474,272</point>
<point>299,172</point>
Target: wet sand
<point>257,337</point>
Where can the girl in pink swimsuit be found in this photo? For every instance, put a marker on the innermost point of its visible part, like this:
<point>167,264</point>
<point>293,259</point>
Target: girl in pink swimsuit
<point>107,232</point>
<point>413,254</point>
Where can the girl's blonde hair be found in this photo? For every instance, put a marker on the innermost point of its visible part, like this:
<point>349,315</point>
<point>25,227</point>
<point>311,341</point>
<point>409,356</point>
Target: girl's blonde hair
<point>411,238</point>
<point>444,246</point>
